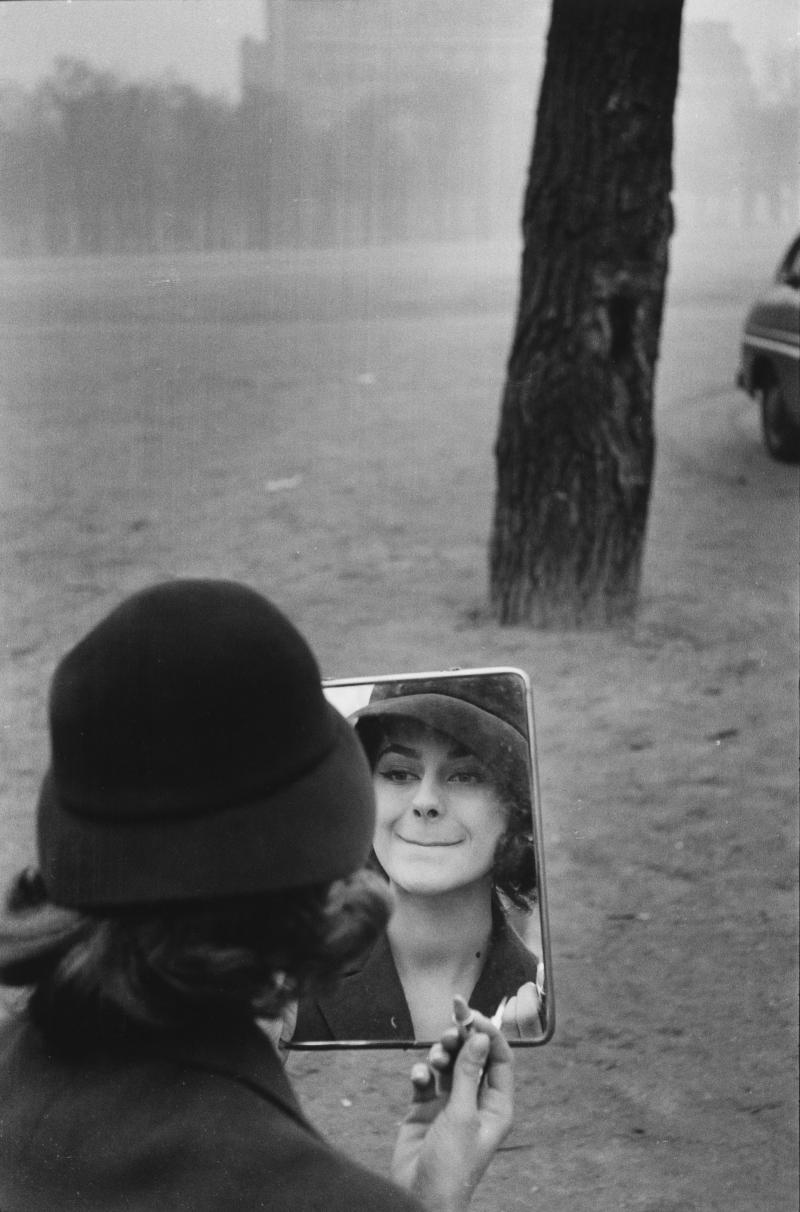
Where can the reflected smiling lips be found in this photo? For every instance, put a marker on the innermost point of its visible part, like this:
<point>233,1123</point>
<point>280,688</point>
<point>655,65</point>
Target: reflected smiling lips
<point>428,845</point>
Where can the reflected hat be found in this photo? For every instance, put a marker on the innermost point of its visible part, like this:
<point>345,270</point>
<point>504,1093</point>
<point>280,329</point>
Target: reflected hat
<point>194,757</point>
<point>485,712</point>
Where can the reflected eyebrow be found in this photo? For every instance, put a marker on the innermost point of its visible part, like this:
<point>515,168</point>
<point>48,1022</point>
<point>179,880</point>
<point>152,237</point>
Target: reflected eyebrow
<point>455,752</point>
<point>461,751</point>
<point>394,747</point>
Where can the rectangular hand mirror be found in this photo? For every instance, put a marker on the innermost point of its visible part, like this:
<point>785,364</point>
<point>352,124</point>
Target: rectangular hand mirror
<point>458,839</point>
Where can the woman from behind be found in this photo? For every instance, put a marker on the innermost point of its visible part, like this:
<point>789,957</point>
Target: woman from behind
<point>202,831</point>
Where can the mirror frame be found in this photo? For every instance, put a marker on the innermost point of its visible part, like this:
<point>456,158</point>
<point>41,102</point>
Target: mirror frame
<point>538,845</point>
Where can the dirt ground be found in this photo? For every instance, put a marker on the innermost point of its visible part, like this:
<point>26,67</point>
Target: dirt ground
<point>321,425</point>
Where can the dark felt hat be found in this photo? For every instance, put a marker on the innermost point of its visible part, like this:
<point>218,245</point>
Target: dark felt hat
<point>485,712</point>
<point>194,757</point>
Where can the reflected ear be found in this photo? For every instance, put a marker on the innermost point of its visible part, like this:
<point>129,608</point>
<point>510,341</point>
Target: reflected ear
<point>514,870</point>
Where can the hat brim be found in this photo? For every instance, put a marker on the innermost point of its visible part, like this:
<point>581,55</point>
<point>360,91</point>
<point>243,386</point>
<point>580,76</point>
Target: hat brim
<point>315,830</point>
<point>485,734</point>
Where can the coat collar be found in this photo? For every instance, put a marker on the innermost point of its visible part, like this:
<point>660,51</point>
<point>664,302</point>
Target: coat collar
<point>242,1053</point>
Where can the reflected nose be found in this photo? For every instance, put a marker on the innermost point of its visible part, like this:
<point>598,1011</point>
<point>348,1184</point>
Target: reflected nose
<point>426,802</point>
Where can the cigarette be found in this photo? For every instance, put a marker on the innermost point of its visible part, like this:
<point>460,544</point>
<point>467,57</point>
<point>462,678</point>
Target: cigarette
<point>463,1016</point>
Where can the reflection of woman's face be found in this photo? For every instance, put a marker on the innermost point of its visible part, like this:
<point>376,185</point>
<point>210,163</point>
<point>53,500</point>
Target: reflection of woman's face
<point>439,817</point>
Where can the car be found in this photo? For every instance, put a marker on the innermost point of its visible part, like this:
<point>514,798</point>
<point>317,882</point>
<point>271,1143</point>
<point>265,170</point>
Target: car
<point>769,369</point>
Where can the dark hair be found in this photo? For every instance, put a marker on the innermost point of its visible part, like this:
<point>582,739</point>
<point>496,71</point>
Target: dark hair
<point>514,873</point>
<point>164,968</point>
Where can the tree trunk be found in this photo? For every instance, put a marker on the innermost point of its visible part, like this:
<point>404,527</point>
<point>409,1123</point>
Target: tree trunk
<point>575,446</point>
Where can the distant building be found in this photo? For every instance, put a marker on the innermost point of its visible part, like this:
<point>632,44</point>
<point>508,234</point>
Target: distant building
<point>736,156</point>
<point>715,93</point>
<point>331,54</point>
<point>414,119</point>
<point>451,101</point>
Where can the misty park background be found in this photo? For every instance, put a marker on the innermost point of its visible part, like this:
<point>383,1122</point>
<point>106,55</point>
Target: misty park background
<point>380,132</point>
<point>311,408</point>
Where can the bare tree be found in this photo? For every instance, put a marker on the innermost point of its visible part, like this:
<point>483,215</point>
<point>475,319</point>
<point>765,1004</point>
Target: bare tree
<point>575,446</point>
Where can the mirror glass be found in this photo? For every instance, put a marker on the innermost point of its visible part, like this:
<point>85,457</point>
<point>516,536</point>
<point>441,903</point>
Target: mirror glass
<point>458,841</point>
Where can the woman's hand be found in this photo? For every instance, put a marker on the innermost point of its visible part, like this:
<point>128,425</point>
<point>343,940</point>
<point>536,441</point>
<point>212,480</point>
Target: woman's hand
<point>524,1014</point>
<point>462,1110</point>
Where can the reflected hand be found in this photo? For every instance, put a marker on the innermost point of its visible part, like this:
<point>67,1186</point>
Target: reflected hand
<point>280,1030</point>
<point>462,1110</point>
<point>524,1013</point>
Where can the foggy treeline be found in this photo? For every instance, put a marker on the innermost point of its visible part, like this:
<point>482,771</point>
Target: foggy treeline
<point>91,164</point>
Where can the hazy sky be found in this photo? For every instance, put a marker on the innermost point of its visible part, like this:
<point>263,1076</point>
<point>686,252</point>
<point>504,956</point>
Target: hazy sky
<point>199,39</point>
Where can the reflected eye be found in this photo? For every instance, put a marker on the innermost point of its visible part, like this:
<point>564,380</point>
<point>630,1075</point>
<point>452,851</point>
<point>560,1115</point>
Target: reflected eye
<point>471,777</point>
<point>398,775</point>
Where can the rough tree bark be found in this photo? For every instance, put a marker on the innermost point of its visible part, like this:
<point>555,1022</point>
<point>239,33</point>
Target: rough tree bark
<point>575,446</point>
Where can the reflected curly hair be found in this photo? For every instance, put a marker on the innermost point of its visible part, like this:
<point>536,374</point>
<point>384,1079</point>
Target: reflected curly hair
<point>514,871</point>
<point>159,969</point>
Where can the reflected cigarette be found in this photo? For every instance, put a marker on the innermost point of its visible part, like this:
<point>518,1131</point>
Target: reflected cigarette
<point>497,1017</point>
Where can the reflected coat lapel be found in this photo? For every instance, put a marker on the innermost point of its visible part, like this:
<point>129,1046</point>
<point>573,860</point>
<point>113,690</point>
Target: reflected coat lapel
<point>369,1003</point>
